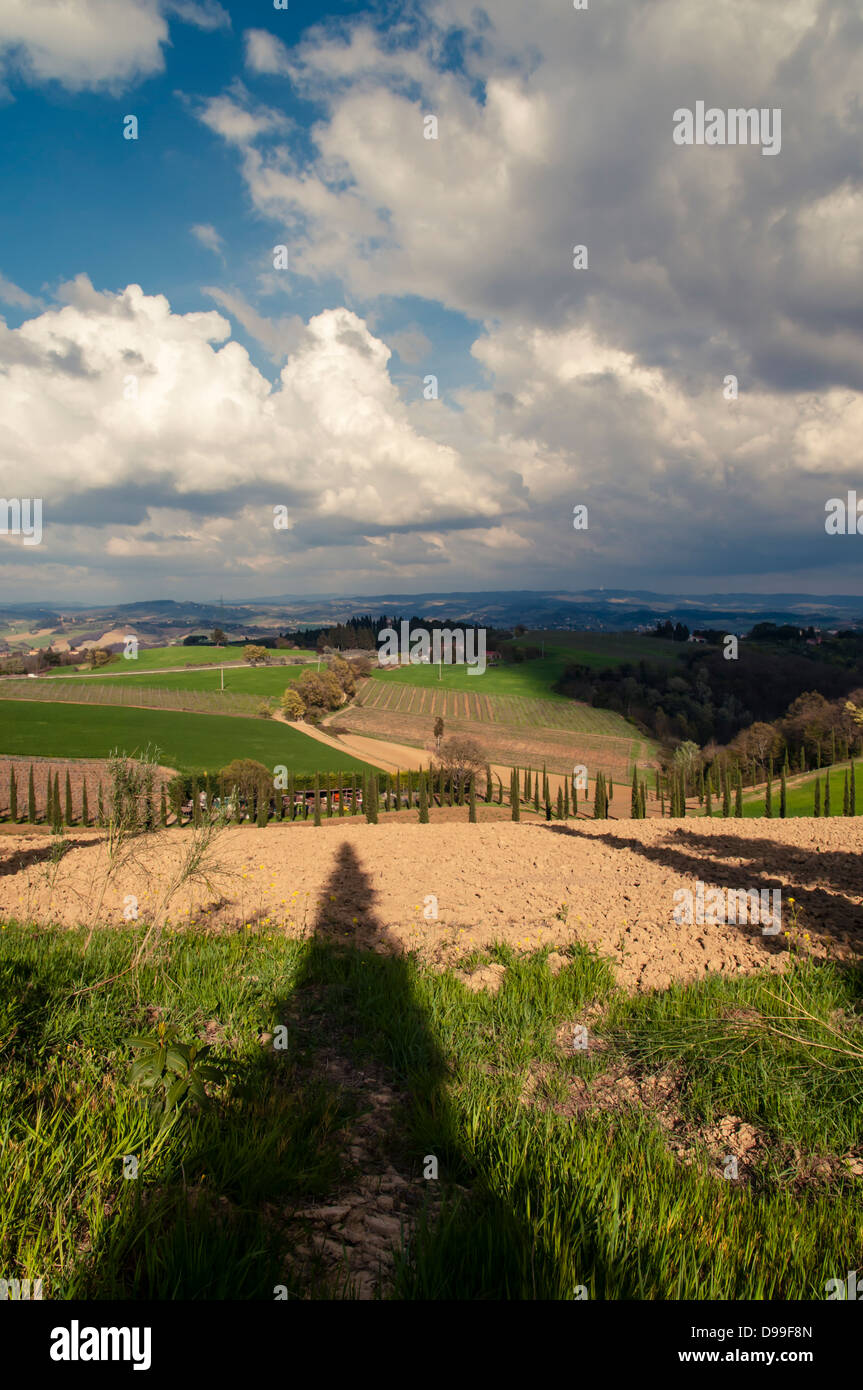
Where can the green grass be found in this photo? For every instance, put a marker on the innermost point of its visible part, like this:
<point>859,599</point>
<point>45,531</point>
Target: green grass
<point>536,1198</point>
<point>529,678</point>
<point>603,649</point>
<point>240,680</point>
<point>801,793</point>
<point>53,730</point>
<point>158,658</point>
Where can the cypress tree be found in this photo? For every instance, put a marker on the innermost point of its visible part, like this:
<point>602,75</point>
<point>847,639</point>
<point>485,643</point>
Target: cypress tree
<point>783,794</point>
<point>656,783</point>
<point>708,799</point>
<point>31,798</point>
<point>566,799</point>
<point>817,810</point>
<point>547,809</point>
<point>527,786</point>
<point>341,781</point>
<point>56,808</point>
<point>441,789</point>
<point>353,793</point>
<point>827,794</point>
<point>317,798</point>
<point>853,794</point>
<point>726,792</point>
<point>163,807</point>
<point>609,793</point>
<point>68,794</point>
<point>500,791</point>
<point>514,796</point>
<point>545,791</point>
<point>196,801</point>
<point>642,805</point>
<point>600,798</point>
<point>85,810</point>
<point>13,794</point>
<point>424,800</point>
<point>738,795</point>
<point>471,815</point>
<point>329,796</point>
<point>536,793</point>
<point>768,792</point>
<point>488,784</point>
<point>100,805</point>
<point>633,808</point>
<point>560,803</point>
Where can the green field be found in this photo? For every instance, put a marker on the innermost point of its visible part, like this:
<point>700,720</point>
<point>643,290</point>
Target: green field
<point>158,658</point>
<point>602,649</point>
<point>530,678</point>
<point>556,1171</point>
<point>185,741</point>
<point>801,793</point>
<point>239,680</point>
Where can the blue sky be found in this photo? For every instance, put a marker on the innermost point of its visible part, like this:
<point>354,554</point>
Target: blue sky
<point>431,386</point>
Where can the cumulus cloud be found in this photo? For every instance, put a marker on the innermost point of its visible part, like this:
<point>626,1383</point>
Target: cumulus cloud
<point>82,43</point>
<point>163,415</point>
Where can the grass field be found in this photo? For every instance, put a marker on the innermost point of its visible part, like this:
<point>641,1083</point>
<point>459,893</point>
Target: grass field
<point>158,658</point>
<point>601,649</point>
<point>49,730</point>
<point>242,680</point>
<point>552,1175</point>
<point>801,793</point>
<point>531,679</point>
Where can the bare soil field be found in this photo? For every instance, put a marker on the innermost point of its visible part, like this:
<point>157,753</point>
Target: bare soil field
<point>607,884</point>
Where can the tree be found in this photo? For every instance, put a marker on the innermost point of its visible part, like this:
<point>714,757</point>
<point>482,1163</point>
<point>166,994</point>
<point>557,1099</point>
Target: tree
<point>245,776</point>
<point>292,704</point>
<point>68,794</point>
<point>438,733</point>
<point>13,794</point>
<point>85,810</point>
<point>424,800</point>
<point>217,637</point>
<point>460,757</point>
<point>31,798</point>
<point>827,810</point>
<point>56,809</point>
<point>253,655</point>
<point>489,788</point>
<point>98,656</point>
<point>354,807</point>
<point>514,797</point>
<point>566,799</point>
<point>708,799</point>
<point>339,669</point>
<point>371,805</point>
<point>560,803</point>
<point>317,798</point>
<point>817,809</point>
<point>471,815</point>
<point>853,793</point>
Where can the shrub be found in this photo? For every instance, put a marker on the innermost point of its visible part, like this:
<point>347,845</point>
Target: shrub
<point>292,704</point>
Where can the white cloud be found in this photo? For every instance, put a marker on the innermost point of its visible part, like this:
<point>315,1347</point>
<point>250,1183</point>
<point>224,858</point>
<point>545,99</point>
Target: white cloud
<point>204,14</point>
<point>12,294</point>
<point>82,43</point>
<point>207,235</point>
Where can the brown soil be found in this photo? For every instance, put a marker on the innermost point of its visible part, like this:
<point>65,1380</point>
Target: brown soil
<point>607,884</point>
<point>89,771</point>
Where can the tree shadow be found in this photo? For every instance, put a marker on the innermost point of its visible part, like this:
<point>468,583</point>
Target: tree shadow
<point>693,855</point>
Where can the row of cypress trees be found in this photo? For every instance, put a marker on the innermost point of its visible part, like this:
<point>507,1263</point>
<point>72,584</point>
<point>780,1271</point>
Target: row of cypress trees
<point>59,809</point>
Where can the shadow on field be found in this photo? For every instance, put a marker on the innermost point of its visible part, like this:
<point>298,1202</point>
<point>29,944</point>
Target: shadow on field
<point>26,858</point>
<point>767,864</point>
<point>359,1093</point>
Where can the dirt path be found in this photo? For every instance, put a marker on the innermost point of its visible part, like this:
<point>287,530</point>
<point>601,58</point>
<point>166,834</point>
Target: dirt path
<point>607,884</point>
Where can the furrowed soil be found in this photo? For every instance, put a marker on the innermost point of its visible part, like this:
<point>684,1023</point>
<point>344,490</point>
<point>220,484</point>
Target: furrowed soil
<point>607,884</point>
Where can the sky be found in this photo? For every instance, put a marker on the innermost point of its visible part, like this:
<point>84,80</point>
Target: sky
<point>322,326</point>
